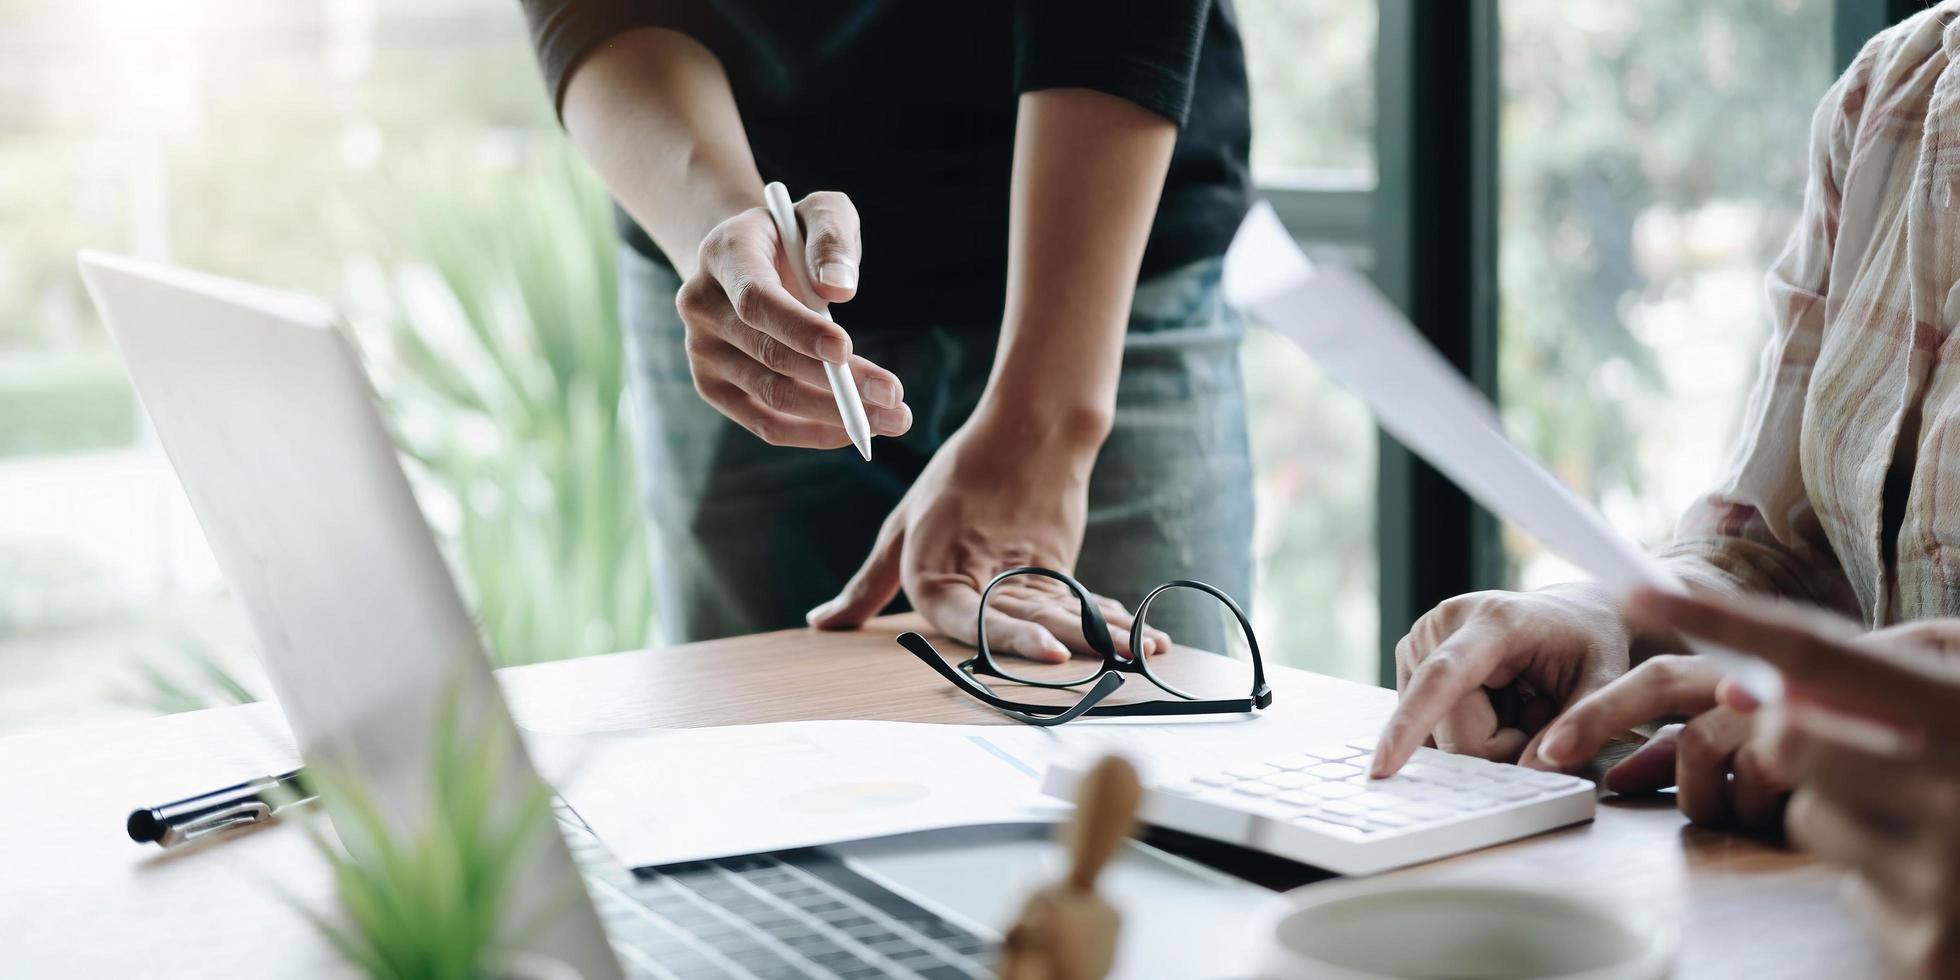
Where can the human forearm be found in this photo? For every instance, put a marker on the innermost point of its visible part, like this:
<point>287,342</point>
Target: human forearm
<point>1088,170</point>
<point>1724,545</point>
<point>652,112</point>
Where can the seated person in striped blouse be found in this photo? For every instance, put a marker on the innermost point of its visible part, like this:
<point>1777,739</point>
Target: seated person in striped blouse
<point>1844,496</point>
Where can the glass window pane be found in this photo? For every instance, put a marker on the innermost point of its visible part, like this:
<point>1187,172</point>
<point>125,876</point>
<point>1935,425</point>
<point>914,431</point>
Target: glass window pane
<point>1312,69</point>
<point>266,139</point>
<point>1313,447</point>
<point>1653,157</point>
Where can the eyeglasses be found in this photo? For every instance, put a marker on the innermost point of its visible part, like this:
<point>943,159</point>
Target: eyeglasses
<point>1106,678</point>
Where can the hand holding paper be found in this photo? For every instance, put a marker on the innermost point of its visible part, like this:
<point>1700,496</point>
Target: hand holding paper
<point>1360,339</point>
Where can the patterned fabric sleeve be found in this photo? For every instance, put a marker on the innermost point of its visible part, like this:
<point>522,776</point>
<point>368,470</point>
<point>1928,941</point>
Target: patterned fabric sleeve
<point>1757,531</point>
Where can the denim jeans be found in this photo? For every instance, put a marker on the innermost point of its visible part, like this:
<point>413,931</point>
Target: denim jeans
<point>746,536</point>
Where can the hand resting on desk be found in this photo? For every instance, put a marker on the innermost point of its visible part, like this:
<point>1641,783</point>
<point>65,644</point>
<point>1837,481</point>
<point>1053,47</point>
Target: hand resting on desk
<point>985,503</point>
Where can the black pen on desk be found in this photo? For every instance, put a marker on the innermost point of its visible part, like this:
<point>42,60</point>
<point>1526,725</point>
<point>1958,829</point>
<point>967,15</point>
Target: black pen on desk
<point>249,802</point>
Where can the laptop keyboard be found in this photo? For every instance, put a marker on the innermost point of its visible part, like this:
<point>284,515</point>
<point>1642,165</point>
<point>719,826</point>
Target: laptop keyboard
<point>791,915</point>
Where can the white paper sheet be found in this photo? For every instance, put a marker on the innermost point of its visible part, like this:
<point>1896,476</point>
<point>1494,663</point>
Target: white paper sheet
<point>658,798</point>
<point>1364,342</point>
<point>662,797</point>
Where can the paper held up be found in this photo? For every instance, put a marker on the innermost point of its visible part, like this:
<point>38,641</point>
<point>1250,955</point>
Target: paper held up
<point>1366,344</point>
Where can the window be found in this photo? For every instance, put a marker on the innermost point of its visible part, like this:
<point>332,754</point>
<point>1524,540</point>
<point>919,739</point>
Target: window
<point>401,160</point>
<point>263,139</point>
<point>1311,69</point>
<point>1652,158</point>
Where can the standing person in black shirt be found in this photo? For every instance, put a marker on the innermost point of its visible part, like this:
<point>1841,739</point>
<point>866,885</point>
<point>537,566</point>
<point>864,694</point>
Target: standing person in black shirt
<point>1038,195</point>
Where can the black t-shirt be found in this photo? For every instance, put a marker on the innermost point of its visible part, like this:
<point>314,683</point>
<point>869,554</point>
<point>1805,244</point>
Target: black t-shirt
<point>908,106</point>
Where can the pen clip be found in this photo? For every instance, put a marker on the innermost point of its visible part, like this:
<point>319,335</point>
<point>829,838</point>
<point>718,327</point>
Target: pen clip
<point>237,815</point>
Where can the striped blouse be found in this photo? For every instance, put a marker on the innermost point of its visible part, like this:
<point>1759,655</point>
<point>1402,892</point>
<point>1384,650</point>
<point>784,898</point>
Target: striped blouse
<point>1845,490</point>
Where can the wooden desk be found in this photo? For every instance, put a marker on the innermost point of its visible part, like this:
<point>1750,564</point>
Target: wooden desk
<point>78,899</point>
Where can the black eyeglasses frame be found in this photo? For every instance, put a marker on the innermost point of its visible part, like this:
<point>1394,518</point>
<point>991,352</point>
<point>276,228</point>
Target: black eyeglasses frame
<point>1107,678</point>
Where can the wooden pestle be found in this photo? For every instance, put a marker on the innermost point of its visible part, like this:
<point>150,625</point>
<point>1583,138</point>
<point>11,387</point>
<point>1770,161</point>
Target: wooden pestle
<point>1066,931</point>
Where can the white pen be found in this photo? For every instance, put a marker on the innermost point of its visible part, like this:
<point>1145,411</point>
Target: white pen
<point>843,387</point>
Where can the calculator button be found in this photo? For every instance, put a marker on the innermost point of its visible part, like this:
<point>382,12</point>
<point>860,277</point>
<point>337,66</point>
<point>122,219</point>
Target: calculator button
<point>1397,784</point>
<point>1335,791</point>
<point>1426,811</point>
<point>1214,779</point>
<point>1181,787</point>
<point>1389,818</point>
<point>1299,798</point>
<point>1255,789</point>
<point>1333,751</point>
<point>1321,825</point>
<point>1288,780</point>
<point>1352,821</point>
<point>1294,761</point>
<point>1512,791</point>
<point>1454,779</point>
<point>1333,770</point>
<point>1372,798</point>
<point>1252,770</point>
<point>1463,801</point>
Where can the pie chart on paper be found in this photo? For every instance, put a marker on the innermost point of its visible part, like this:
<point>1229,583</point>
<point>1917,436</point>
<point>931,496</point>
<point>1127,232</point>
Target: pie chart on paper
<point>855,797</point>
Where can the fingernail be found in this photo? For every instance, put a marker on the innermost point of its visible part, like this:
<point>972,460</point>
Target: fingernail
<point>842,275</point>
<point>881,393</point>
<point>891,422</point>
<point>817,613</point>
<point>833,350</point>
<point>1556,746</point>
<point>1734,695</point>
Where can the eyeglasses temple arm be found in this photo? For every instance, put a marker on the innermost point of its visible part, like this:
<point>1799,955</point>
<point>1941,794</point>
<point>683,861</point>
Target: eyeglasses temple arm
<point>1105,686</point>
<point>921,648</point>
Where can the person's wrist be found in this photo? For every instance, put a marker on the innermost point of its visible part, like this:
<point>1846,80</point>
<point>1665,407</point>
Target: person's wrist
<point>1601,602</point>
<point>1052,430</point>
<point>714,208</point>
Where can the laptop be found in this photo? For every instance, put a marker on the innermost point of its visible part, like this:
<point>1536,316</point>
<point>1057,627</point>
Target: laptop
<point>261,402</point>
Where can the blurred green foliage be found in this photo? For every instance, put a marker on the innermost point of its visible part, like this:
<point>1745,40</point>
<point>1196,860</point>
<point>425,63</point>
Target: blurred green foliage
<point>1622,117</point>
<point>429,902</point>
<point>64,402</point>
<point>187,676</point>
<point>501,366</point>
<point>1311,67</point>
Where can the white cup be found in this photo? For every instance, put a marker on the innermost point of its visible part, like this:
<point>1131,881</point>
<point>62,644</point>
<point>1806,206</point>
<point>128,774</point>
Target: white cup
<point>1380,929</point>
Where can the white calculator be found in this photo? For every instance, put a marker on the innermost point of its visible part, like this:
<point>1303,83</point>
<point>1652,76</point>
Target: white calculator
<point>1318,806</point>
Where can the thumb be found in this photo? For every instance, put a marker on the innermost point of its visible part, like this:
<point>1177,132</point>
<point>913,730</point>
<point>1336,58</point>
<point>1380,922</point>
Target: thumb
<point>1650,768</point>
<point>830,244</point>
<point>871,589</point>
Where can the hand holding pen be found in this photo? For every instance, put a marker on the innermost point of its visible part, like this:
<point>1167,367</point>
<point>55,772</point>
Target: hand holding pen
<point>763,351</point>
